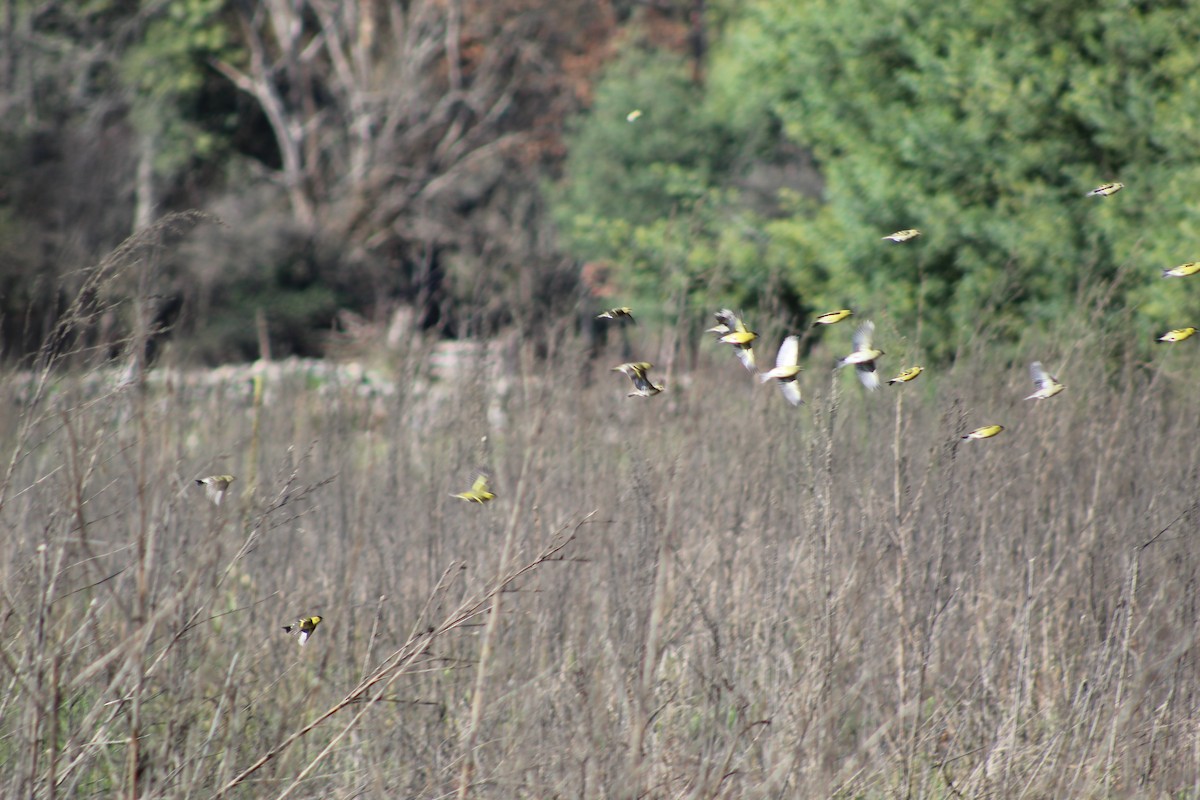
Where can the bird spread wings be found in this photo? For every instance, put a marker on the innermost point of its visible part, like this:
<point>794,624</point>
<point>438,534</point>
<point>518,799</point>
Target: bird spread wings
<point>863,336</point>
<point>789,352</point>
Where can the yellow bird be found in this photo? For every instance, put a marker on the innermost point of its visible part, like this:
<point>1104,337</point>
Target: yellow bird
<point>986,432</point>
<point>1047,385</point>
<point>642,385</point>
<point>215,486</point>
<point>478,493</point>
<point>634,116</point>
<point>787,370</point>
<point>1106,189</point>
<point>1177,335</point>
<point>732,331</point>
<point>907,375</point>
<point>624,312</point>
<point>1183,270</point>
<point>832,317</point>
<point>303,628</point>
<point>864,355</point>
<point>903,236</point>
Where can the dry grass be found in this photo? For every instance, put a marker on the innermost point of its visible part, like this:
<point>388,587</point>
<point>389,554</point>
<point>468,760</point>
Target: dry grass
<point>703,594</point>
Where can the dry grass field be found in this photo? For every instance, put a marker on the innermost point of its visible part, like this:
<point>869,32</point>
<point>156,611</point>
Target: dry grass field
<point>702,594</point>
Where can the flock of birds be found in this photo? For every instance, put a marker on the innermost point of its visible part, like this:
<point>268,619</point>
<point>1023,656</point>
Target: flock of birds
<point>732,330</point>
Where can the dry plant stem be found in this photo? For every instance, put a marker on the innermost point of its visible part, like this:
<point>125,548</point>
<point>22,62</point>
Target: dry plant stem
<point>470,740</point>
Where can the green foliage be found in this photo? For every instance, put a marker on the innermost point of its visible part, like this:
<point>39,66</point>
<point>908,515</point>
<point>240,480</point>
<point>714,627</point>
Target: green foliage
<point>983,124</point>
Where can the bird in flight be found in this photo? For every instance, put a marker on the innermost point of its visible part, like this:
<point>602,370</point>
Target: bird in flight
<point>478,493</point>
<point>303,628</point>
<point>864,355</point>
<point>1046,384</point>
<point>903,236</point>
<point>787,370</point>
<point>642,385</point>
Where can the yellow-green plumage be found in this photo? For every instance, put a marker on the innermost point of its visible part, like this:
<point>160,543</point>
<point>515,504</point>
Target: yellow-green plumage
<point>1177,335</point>
<point>478,493</point>
<point>864,355</point>
<point>832,317</point>
<point>786,370</point>
<point>907,375</point>
<point>303,628</point>
<point>1106,189</point>
<point>986,432</point>
<point>732,331</point>
<point>903,236</point>
<point>622,313</point>
<point>1183,270</point>
<point>1046,385</point>
<point>642,385</point>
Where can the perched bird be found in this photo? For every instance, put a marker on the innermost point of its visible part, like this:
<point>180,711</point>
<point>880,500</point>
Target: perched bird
<point>832,317</point>
<point>1106,189</point>
<point>215,486</point>
<point>1047,385</point>
<point>731,330</point>
<point>1176,335</point>
<point>787,369</point>
<point>986,432</point>
<point>633,116</point>
<point>907,375</point>
<point>303,628</point>
<point>624,312</point>
<point>478,493</point>
<point>642,386</point>
<point>904,235</point>
<point>864,355</point>
<point>1183,270</point>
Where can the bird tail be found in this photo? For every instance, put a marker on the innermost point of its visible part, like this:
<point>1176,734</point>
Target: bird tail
<point>763,377</point>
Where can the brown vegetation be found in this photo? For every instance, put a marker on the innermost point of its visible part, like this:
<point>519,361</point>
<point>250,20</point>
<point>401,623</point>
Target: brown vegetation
<point>701,594</point>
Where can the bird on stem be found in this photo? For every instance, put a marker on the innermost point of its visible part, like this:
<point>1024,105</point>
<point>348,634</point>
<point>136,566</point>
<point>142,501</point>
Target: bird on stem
<point>864,355</point>
<point>303,628</point>
<point>1047,385</point>
<point>642,385</point>
<point>786,370</point>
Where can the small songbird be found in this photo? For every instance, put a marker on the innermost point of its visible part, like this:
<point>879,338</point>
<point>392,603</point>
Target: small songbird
<point>215,486</point>
<point>478,493</point>
<point>986,432</point>
<point>787,370</point>
<point>732,331</point>
<point>303,628</point>
<point>634,116</point>
<point>1177,335</point>
<point>624,312</point>
<point>1183,270</point>
<point>864,355</point>
<point>642,385</point>
<point>832,317</point>
<point>907,375</point>
<point>1106,189</point>
<point>1047,385</point>
<point>903,236</point>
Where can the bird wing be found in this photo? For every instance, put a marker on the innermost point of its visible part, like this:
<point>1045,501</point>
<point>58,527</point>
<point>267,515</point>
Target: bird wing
<point>863,336</point>
<point>789,352</point>
<point>641,382</point>
<point>480,485</point>
<point>1040,377</point>
<point>866,374</point>
<point>746,356</point>
<point>727,318</point>
<point>791,391</point>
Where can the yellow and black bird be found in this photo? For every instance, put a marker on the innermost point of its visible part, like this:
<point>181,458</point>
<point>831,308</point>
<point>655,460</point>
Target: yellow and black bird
<point>864,355</point>
<point>1183,270</point>
<point>1106,189</point>
<point>622,313</point>
<point>732,331</point>
<point>907,375</point>
<point>1177,335</point>
<point>1046,384</point>
<point>479,492</point>
<point>832,317</point>
<point>986,432</point>
<point>303,628</point>
<point>642,385</point>
<point>787,370</point>
<point>215,486</point>
<point>906,235</point>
